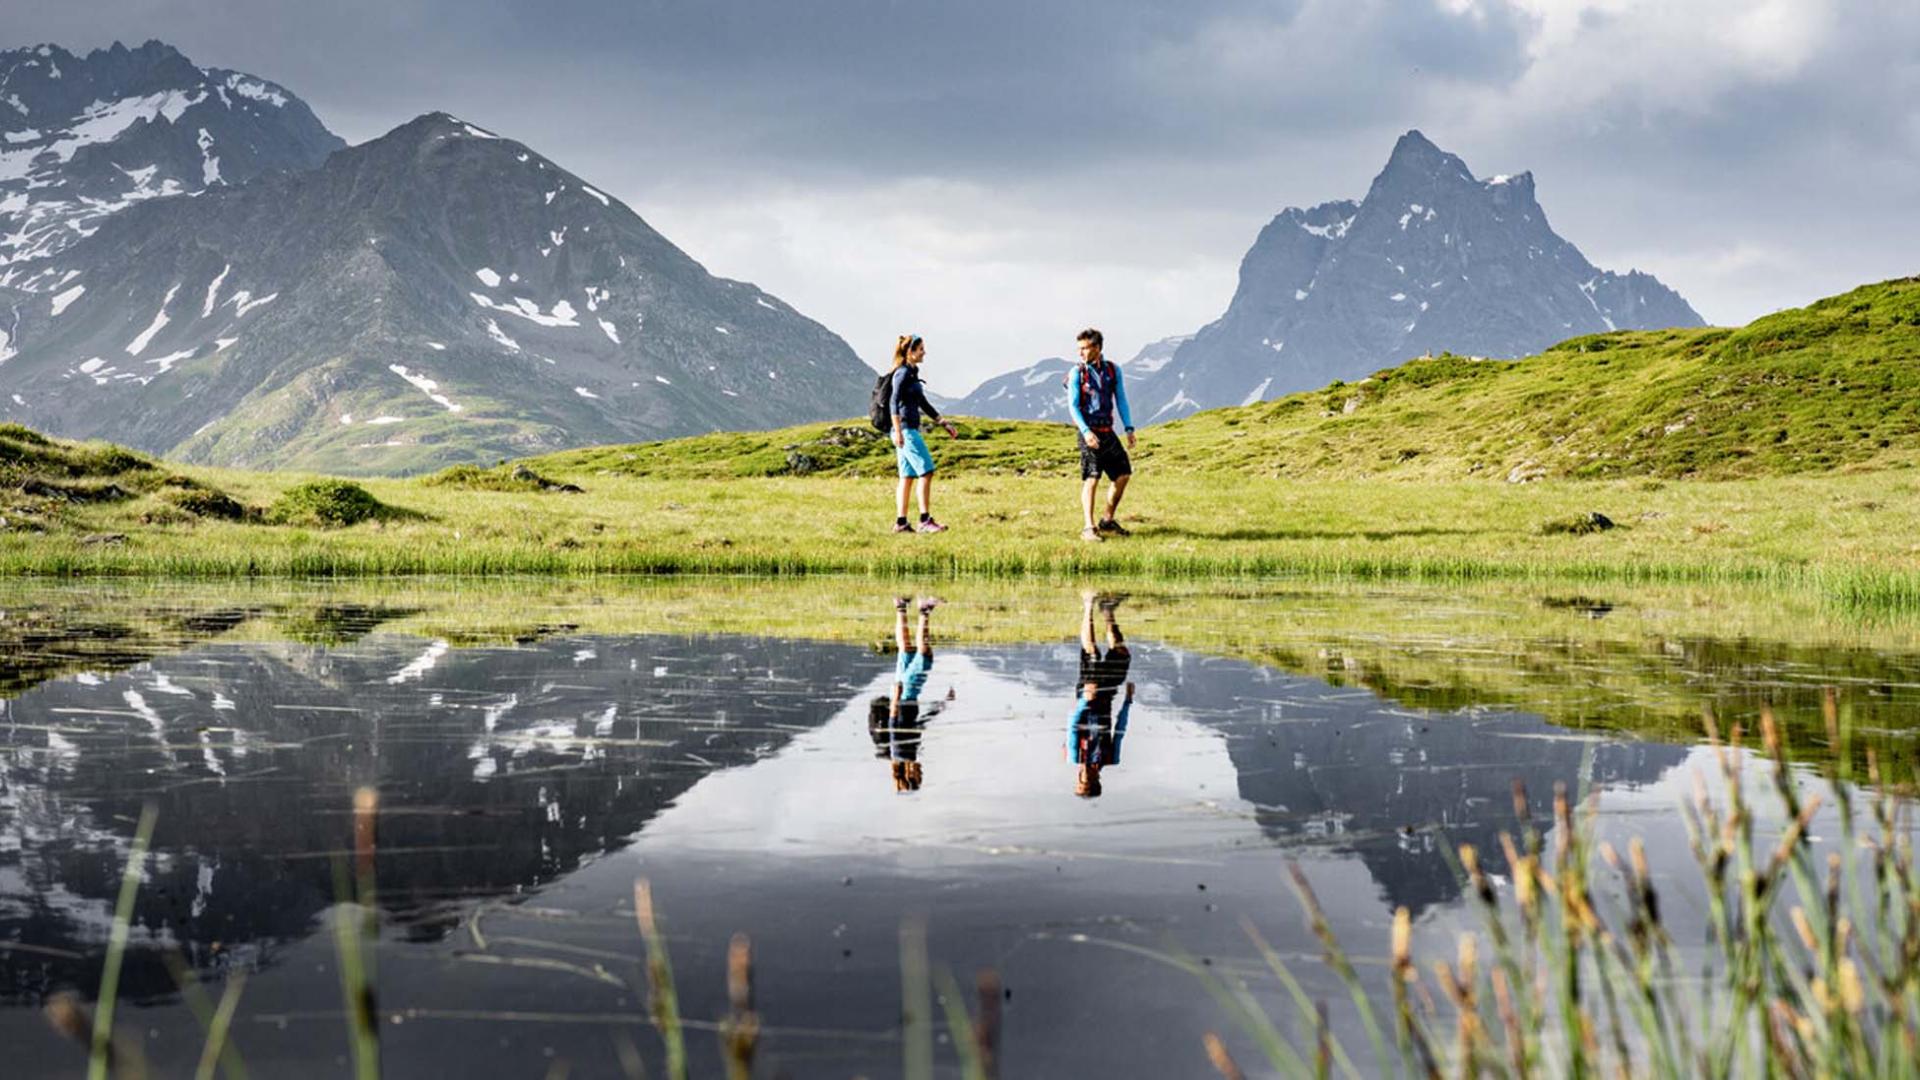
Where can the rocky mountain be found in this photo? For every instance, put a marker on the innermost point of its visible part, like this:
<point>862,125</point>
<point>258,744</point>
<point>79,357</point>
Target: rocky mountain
<point>1038,391</point>
<point>82,138</point>
<point>439,294</point>
<point>1431,260</point>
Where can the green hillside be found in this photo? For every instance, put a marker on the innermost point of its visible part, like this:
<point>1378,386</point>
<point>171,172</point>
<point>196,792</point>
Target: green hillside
<point>1833,385</point>
<point>1779,455</point>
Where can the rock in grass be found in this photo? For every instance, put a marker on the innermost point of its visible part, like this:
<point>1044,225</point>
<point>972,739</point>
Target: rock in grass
<point>1578,525</point>
<point>327,504</point>
<point>201,501</point>
<point>502,478</point>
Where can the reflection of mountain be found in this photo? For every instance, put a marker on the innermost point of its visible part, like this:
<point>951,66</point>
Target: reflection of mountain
<point>499,769</point>
<point>1398,787</point>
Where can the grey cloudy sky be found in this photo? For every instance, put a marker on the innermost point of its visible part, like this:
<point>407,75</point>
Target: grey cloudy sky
<point>995,174</point>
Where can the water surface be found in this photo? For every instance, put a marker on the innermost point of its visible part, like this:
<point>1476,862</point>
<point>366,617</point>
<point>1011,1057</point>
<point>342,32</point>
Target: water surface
<point>1073,821</point>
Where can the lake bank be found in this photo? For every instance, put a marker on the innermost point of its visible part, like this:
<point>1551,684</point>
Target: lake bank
<point>1847,537</point>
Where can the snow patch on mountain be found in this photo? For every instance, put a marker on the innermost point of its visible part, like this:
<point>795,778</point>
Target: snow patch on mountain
<point>139,344</point>
<point>256,90</point>
<point>563,314</point>
<point>500,336</point>
<point>425,385</point>
<point>213,291</point>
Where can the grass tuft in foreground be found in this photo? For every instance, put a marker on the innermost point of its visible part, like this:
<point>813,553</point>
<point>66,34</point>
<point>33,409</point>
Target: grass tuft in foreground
<point>1812,967</point>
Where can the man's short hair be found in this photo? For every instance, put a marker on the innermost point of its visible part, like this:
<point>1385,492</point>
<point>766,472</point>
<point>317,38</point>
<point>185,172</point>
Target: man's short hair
<point>1090,334</point>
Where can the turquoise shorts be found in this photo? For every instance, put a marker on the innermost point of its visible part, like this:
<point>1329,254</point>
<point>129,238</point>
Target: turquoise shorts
<point>911,671</point>
<point>913,456</point>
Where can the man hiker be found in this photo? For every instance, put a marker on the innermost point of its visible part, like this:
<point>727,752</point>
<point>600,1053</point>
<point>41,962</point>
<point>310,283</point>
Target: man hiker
<point>1095,395</point>
<point>1095,733</point>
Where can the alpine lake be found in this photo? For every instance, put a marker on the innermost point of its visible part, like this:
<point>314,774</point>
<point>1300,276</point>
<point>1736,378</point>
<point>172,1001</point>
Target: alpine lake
<point>453,786</point>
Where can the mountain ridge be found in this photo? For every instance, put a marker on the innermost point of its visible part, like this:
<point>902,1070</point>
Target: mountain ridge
<point>1431,260</point>
<point>85,137</point>
<point>436,295</point>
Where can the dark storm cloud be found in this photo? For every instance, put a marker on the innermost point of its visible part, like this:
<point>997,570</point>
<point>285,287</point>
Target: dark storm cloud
<point>994,87</point>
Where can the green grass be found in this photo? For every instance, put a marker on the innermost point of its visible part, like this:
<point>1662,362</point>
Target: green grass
<point>1835,385</point>
<point>327,504</point>
<point>1809,967</point>
<point>1779,455</point>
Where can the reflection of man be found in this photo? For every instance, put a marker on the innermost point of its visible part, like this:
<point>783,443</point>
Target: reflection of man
<point>1093,740</point>
<point>894,720</point>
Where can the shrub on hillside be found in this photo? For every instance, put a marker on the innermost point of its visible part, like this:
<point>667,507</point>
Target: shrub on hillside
<point>327,504</point>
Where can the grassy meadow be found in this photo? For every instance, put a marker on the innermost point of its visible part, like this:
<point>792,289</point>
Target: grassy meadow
<point>1782,454</point>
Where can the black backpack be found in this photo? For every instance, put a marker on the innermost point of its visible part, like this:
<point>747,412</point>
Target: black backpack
<point>880,410</point>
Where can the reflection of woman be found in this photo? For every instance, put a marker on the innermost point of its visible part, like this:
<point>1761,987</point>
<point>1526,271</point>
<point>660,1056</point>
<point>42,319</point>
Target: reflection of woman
<point>1094,737</point>
<point>894,721</point>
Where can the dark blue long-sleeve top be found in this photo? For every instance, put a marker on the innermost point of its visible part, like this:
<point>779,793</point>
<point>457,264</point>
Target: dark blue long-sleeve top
<point>910,397</point>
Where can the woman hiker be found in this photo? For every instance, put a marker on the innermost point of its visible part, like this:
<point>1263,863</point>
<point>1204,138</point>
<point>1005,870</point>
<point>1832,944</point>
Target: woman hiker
<point>909,404</point>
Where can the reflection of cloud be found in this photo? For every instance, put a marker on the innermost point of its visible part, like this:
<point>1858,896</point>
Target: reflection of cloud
<point>418,667</point>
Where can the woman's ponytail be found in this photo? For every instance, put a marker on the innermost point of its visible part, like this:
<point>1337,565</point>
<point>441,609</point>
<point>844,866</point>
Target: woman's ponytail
<point>902,347</point>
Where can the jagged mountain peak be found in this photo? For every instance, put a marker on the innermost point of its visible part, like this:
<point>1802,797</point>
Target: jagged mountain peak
<point>439,294</point>
<point>1431,260</point>
<point>84,137</point>
<point>1416,157</point>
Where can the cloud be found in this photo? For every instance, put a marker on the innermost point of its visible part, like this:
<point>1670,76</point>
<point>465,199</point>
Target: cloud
<point>984,171</point>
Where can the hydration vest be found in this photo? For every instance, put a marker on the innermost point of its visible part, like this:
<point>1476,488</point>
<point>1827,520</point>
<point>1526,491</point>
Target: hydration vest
<point>1094,384</point>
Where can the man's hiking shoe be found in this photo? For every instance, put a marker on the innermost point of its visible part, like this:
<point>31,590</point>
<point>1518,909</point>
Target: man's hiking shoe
<point>928,603</point>
<point>901,526</point>
<point>1114,527</point>
<point>1092,535</point>
<point>932,526</point>
<point>901,603</point>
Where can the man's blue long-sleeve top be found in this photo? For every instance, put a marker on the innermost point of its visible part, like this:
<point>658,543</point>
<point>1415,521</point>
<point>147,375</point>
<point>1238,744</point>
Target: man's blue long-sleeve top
<point>1119,397</point>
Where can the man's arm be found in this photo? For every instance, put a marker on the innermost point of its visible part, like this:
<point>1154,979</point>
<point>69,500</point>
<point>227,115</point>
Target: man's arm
<point>1120,402</point>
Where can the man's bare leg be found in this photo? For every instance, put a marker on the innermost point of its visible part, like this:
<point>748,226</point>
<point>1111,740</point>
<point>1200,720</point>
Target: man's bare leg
<point>1115,639</point>
<point>1089,491</point>
<point>1113,495</point>
<point>1088,642</point>
<point>926,495</point>
<point>900,498</point>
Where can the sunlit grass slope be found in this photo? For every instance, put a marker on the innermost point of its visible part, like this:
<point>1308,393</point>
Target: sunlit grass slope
<point>1833,385</point>
<point>1779,454</point>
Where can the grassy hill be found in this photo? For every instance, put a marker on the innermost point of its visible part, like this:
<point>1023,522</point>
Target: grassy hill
<point>1776,455</point>
<point>1832,385</point>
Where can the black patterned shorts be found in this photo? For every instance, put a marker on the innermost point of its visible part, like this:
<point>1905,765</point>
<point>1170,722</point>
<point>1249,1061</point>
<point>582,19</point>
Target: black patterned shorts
<point>1111,458</point>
